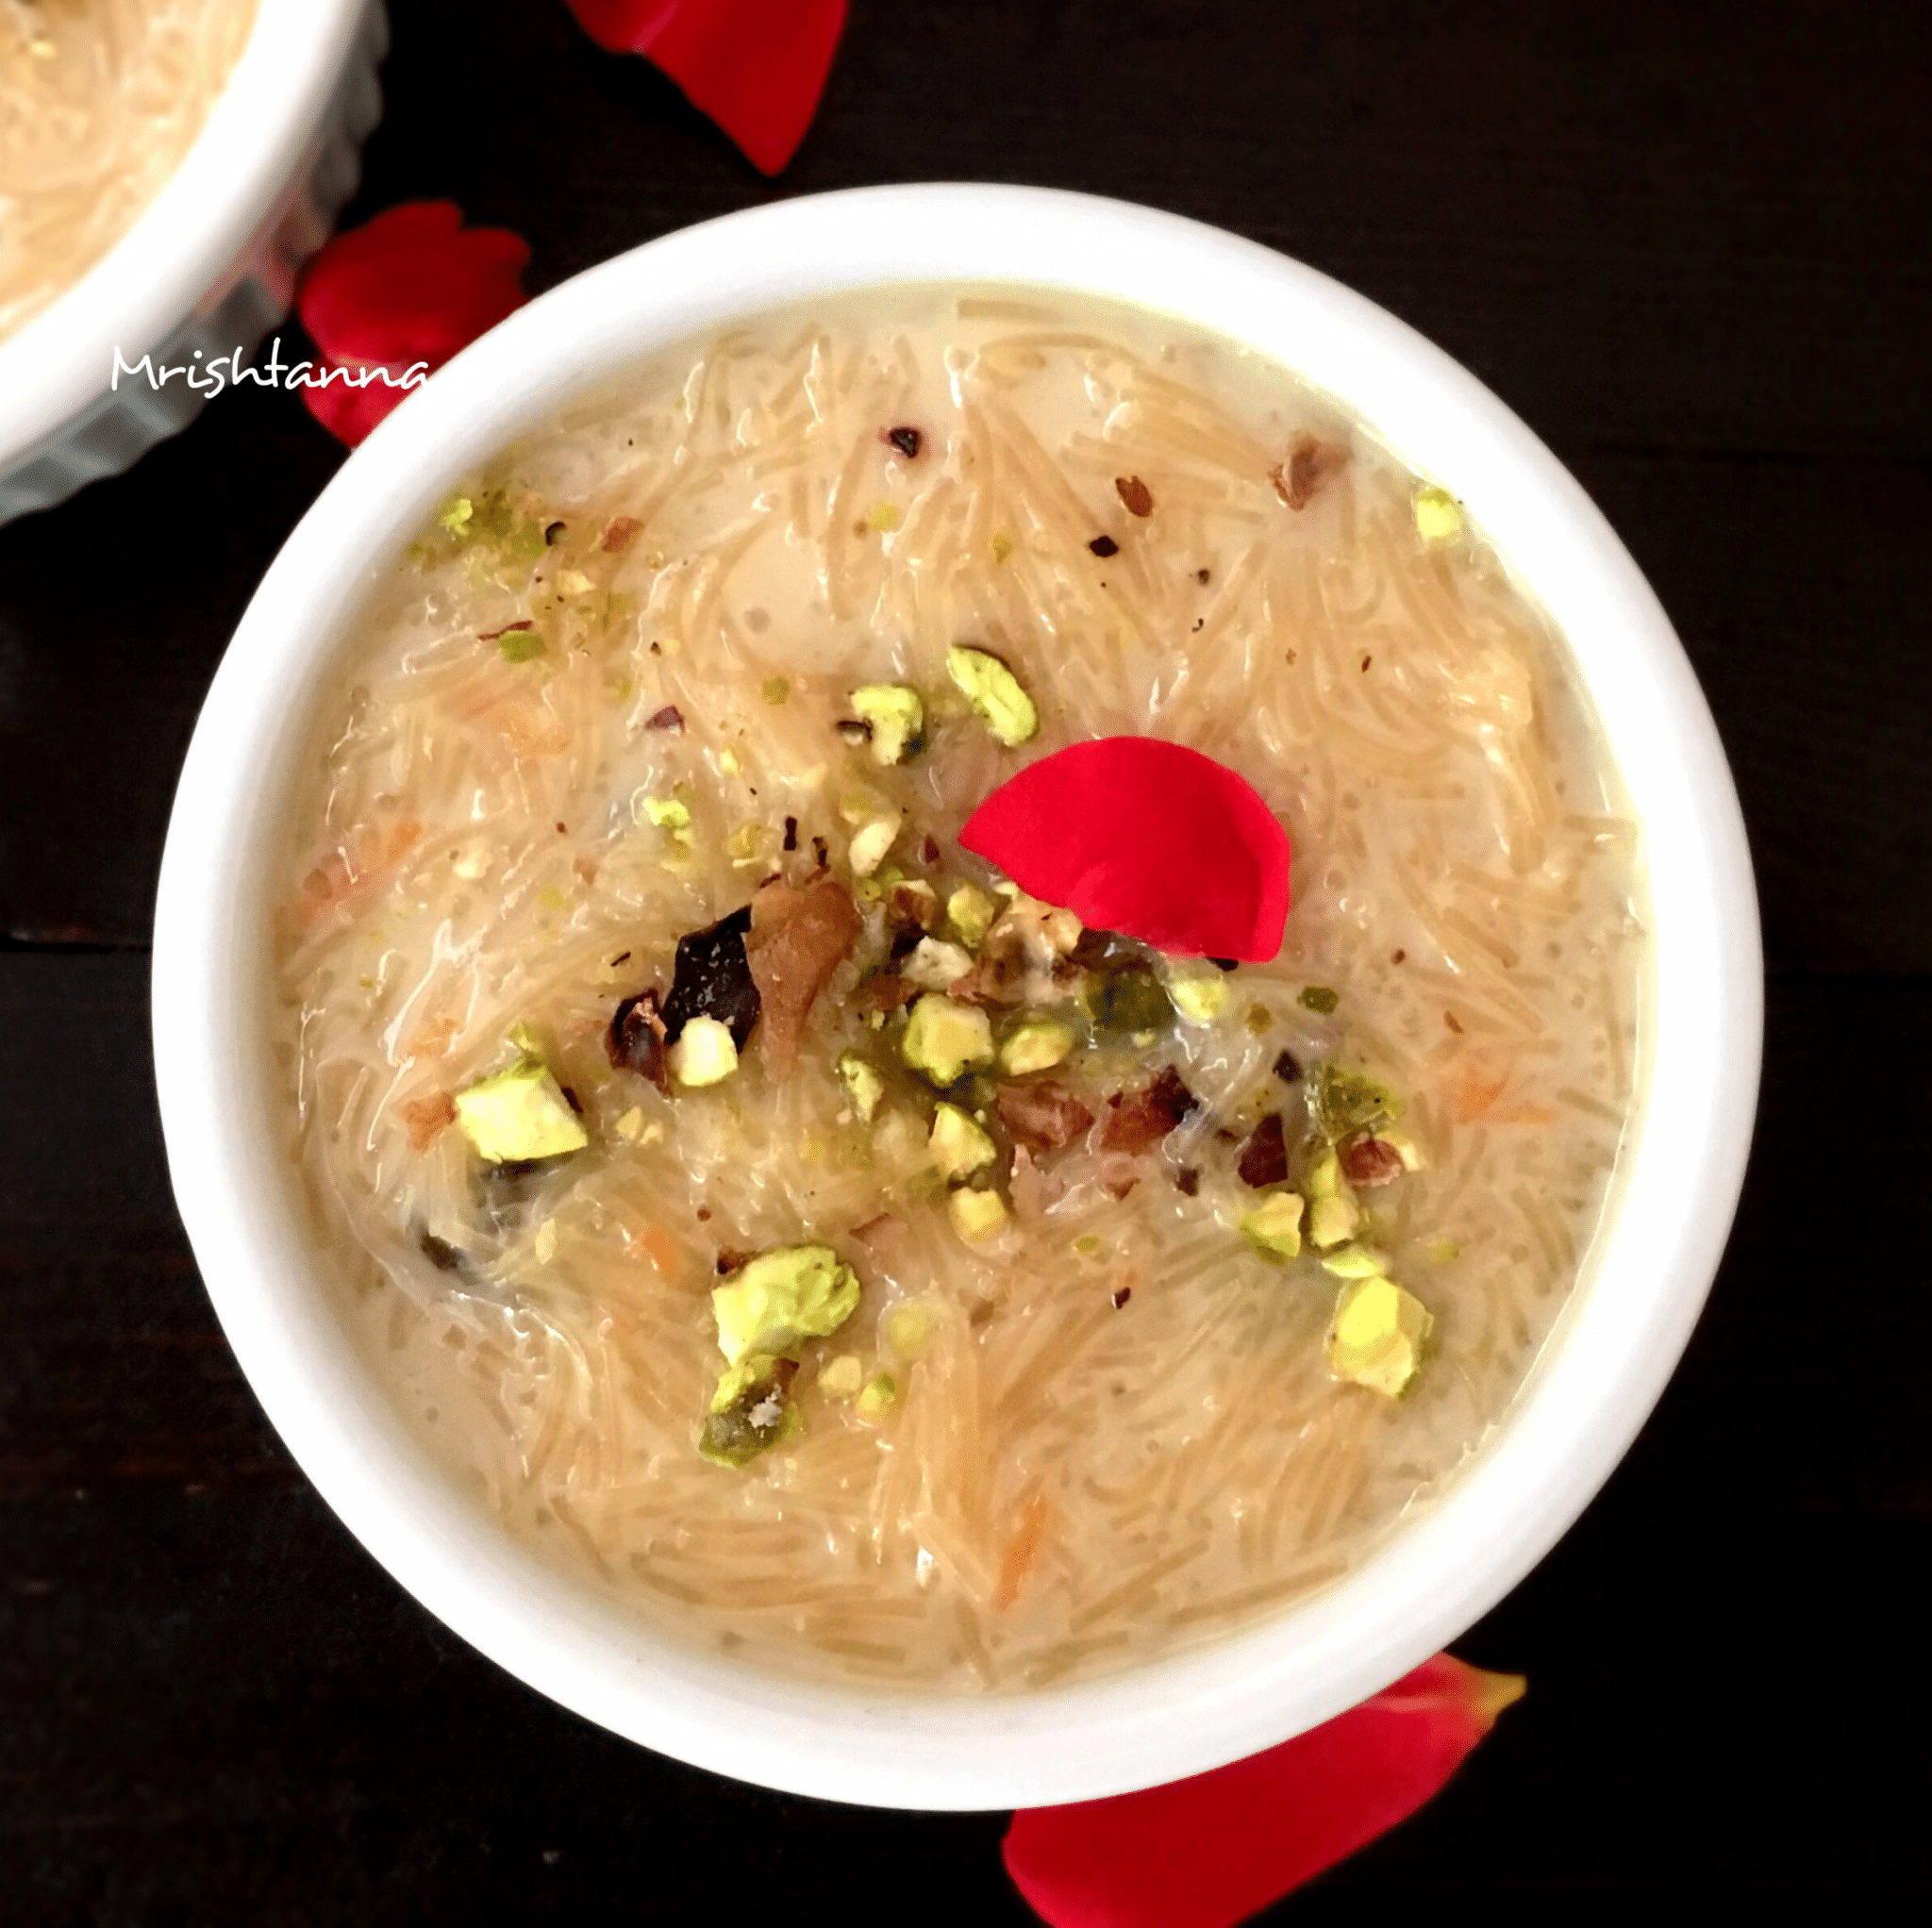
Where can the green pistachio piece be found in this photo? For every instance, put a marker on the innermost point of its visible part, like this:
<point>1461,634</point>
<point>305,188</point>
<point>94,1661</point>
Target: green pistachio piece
<point>995,693</point>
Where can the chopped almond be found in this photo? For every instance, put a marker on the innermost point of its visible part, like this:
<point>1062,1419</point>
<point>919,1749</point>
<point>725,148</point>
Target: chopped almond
<point>1312,465</point>
<point>1368,1161</point>
<point>1043,1114</point>
<point>1140,1119</point>
<point>798,937</point>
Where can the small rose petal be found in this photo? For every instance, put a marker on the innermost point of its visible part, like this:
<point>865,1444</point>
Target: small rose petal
<point>1209,1852</point>
<point>1146,837</point>
<point>407,290</point>
<point>755,67</point>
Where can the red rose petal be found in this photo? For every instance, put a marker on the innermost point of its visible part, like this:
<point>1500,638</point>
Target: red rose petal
<point>1145,837</point>
<point>755,67</point>
<point>1209,1852</point>
<point>409,289</point>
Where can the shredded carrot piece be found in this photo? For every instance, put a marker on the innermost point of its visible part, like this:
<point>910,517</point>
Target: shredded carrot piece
<point>1021,1552</point>
<point>425,1117</point>
<point>533,733</point>
<point>432,1040</point>
<point>663,1250</point>
<point>1475,1093</point>
<point>365,855</point>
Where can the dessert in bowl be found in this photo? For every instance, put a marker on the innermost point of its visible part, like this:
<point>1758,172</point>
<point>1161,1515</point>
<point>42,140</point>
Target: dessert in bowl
<point>931,1049</point>
<point>165,169</point>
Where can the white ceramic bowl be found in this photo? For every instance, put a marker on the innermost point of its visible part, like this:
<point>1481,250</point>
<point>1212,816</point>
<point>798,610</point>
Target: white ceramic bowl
<point>1618,1340</point>
<point>210,264</point>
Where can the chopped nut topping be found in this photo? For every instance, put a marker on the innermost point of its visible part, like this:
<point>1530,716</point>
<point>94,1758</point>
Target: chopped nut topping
<point>1141,1118</point>
<point>1043,1114</point>
<point>638,1037</point>
<point>1312,465</point>
<point>1264,1158</point>
<point>1367,1161</point>
<point>798,937</point>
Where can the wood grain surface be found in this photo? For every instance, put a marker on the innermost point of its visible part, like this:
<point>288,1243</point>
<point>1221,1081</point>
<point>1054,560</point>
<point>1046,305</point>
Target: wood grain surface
<point>1688,243</point>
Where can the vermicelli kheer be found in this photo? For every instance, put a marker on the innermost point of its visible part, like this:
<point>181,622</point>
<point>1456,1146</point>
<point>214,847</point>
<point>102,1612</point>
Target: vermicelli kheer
<point>787,1022</point>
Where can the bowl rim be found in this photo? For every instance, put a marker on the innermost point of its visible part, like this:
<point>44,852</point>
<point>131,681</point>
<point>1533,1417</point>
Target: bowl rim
<point>1586,1397</point>
<point>190,242</point>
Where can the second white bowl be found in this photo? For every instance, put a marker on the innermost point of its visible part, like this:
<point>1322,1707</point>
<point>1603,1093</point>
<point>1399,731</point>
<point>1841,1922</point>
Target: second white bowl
<point>210,265</point>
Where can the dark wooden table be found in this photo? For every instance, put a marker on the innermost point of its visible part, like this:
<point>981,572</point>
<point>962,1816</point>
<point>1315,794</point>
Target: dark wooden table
<point>1688,243</point>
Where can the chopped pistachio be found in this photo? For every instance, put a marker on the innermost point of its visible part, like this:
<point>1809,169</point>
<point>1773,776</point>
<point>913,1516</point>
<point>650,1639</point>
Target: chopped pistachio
<point>728,763</point>
<point>972,911</point>
<point>746,844</point>
<point>842,1377</point>
<point>1001,546</point>
<point>1442,1251</point>
<point>1274,1227</point>
<point>705,1053</point>
<point>975,1215</point>
<point>668,813</point>
<point>456,518</point>
<point>870,843</point>
<point>1198,1000</point>
<point>935,964</point>
<point>1354,1262</point>
<point>1402,1145</point>
<point>790,1293</point>
<point>909,1329</point>
<point>1034,1045</point>
<point>864,1085</point>
<point>520,645</point>
<point>1345,1102</point>
<point>1318,997</point>
<point>995,693</point>
<point>751,1412</point>
<point>1333,1221</point>
<point>519,1115</point>
<point>1131,1000</point>
<point>775,689</point>
<point>958,1147</point>
<point>1438,515</point>
<point>880,1393</point>
<point>884,516</point>
<point>896,717</point>
<point>1259,1020</point>
<point>1321,1177</point>
<point>1379,1334</point>
<point>1087,1245</point>
<point>632,1124</point>
<point>943,1038</point>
